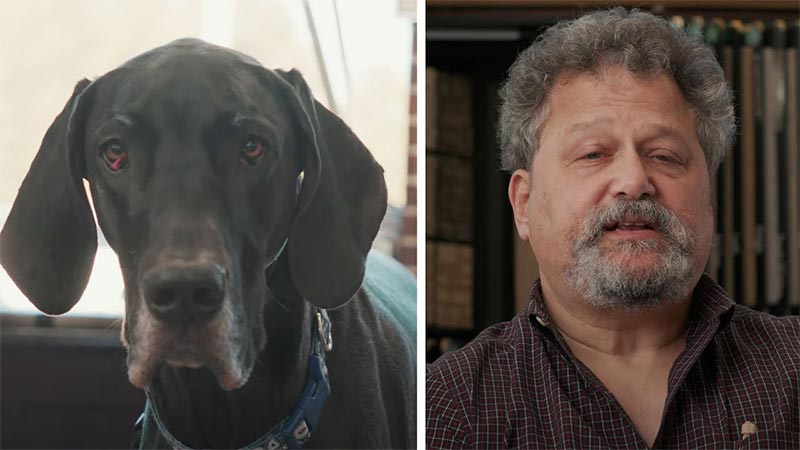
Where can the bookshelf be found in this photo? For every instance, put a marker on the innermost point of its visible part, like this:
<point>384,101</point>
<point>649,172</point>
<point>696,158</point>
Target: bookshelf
<point>738,5</point>
<point>756,254</point>
<point>484,187</point>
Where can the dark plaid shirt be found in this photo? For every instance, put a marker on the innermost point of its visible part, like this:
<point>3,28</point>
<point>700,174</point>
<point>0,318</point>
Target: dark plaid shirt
<point>517,385</point>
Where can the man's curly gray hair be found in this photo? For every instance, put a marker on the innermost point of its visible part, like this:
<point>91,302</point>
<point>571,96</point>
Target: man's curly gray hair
<point>639,41</point>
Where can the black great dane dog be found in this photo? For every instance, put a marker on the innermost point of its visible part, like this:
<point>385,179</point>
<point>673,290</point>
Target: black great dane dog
<point>242,212</point>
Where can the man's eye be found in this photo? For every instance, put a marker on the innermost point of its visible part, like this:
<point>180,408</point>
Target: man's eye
<point>666,158</point>
<point>114,155</point>
<point>593,156</point>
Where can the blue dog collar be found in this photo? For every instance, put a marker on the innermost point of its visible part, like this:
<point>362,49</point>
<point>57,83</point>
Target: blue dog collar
<point>291,432</point>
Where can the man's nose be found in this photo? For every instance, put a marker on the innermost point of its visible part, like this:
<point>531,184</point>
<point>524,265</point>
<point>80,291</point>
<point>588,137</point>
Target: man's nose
<point>631,176</point>
<point>180,293</point>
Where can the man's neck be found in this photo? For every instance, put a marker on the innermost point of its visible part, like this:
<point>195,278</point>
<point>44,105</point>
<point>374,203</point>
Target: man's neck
<point>614,332</point>
<point>630,352</point>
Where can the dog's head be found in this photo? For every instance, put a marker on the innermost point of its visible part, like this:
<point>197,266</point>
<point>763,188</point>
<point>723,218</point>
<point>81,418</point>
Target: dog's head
<point>204,168</point>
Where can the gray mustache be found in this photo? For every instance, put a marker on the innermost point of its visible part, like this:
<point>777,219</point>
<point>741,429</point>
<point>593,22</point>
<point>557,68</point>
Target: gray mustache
<point>658,217</point>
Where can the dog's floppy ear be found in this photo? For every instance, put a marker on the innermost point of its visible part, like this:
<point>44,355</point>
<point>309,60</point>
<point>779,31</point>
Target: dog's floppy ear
<point>49,240</point>
<point>340,206</point>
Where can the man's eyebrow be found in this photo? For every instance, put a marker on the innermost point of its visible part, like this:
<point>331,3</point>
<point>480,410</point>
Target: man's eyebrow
<point>586,125</point>
<point>658,131</point>
<point>651,130</point>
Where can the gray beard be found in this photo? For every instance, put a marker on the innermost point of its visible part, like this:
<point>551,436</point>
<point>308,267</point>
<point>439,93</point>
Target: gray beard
<point>606,283</point>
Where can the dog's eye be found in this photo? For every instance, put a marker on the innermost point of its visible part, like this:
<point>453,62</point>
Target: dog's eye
<point>252,151</point>
<point>114,155</point>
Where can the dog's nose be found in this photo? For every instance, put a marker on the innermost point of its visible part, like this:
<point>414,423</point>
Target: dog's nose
<point>182,294</point>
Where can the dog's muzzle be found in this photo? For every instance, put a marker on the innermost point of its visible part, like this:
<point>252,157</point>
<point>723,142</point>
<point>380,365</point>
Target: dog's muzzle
<point>188,319</point>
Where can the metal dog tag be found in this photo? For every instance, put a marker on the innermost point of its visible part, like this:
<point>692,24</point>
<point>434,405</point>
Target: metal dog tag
<point>324,329</point>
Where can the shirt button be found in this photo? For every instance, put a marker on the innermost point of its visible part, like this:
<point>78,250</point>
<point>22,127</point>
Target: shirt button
<point>541,321</point>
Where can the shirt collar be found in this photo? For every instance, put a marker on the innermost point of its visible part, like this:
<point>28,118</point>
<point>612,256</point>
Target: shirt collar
<point>536,310</point>
<point>709,303</point>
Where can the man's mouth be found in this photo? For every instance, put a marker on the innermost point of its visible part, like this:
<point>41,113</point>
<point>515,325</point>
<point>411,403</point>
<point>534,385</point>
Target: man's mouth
<point>633,227</point>
<point>630,225</point>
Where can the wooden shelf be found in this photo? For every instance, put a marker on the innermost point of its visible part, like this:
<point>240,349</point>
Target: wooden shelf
<point>438,333</point>
<point>527,18</point>
<point>778,5</point>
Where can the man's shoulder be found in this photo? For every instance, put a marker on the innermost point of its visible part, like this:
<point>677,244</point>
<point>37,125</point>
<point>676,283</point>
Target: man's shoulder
<point>479,375</point>
<point>485,365</point>
<point>493,349</point>
<point>761,321</point>
<point>761,331</point>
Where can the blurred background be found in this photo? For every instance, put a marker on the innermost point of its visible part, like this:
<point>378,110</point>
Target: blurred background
<point>63,381</point>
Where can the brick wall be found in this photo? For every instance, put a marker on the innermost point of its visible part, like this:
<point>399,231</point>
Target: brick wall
<point>407,250</point>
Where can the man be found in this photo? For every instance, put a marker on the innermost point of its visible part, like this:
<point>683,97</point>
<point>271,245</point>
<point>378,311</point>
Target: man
<point>614,125</point>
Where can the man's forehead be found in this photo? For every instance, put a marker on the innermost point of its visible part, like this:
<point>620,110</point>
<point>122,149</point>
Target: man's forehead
<point>607,69</point>
<point>588,100</point>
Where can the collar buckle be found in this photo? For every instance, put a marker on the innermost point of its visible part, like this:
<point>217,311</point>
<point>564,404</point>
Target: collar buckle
<point>324,330</point>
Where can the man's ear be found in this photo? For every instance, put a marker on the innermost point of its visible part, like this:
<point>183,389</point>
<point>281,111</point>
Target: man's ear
<point>49,240</point>
<point>519,191</point>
